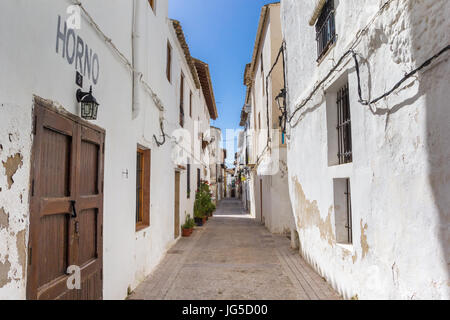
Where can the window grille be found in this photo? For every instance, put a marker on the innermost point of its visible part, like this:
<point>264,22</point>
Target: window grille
<point>349,212</point>
<point>188,179</point>
<point>344,126</point>
<point>182,100</point>
<point>325,29</point>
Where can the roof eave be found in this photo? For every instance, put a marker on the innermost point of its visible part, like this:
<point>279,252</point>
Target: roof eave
<point>182,40</point>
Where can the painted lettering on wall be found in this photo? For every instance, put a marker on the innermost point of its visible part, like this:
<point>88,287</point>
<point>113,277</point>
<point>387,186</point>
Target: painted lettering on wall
<point>77,52</point>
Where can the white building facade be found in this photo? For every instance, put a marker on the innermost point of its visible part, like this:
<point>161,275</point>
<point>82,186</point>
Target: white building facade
<point>369,182</point>
<point>216,162</point>
<point>266,146</point>
<point>89,197</point>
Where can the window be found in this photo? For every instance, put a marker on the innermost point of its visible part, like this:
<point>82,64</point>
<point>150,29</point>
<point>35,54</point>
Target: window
<point>169,62</point>
<point>339,123</point>
<point>190,104</point>
<point>259,120</point>
<point>198,179</point>
<point>142,189</point>
<point>188,178</point>
<point>262,75</point>
<point>182,100</point>
<point>325,29</point>
<point>152,4</point>
<point>343,211</point>
<point>344,126</point>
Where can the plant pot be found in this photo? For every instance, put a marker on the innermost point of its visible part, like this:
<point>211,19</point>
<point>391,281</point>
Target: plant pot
<point>199,221</point>
<point>204,220</point>
<point>186,232</point>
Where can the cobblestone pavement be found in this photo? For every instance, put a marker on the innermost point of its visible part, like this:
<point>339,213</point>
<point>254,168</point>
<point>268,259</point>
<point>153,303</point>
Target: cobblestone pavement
<point>233,257</point>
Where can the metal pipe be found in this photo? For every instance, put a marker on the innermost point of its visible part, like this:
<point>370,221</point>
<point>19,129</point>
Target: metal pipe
<point>138,48</point>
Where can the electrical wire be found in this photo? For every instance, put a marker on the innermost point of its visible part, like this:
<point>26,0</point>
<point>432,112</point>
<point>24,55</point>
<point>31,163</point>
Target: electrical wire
<point>399,83</point>
<point>159,144</point>
<point>267,147</point>
<point>317,86</point>
<point>361,100</point>
<point>351,51</point>
<point>157,101</point>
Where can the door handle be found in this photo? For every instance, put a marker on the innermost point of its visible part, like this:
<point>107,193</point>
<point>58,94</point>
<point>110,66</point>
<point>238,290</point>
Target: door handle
<point>74,210</point>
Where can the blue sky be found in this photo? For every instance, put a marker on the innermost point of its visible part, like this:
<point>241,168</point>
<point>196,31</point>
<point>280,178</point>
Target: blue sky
<point>222,34</point>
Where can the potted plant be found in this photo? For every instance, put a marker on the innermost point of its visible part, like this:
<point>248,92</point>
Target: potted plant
<point>188,226</point>
<point>202,204</point>
<point>198,218</point>
<point>211,209</point>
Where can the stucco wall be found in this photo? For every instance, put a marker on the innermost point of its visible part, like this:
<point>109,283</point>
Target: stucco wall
<point>33,67</point>
<point>400,173</point>
<point>271,169</point>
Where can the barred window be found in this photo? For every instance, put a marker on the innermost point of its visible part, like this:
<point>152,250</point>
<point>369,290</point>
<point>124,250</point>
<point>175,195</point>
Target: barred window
<point>325,29</point>
<point>182,100</point>
<point>188,191</point>
<point>344,126</point>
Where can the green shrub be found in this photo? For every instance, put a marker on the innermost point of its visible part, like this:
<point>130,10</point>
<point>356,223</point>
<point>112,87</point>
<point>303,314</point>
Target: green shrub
<point>203,205</point>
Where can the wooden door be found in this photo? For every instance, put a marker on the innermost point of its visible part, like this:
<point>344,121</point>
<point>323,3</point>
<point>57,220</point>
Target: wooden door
<point>66,207</point>
<point>177,205</point>
<point>261,198</point>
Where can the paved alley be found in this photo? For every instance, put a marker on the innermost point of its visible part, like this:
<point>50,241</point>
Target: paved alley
<point>233,257</point>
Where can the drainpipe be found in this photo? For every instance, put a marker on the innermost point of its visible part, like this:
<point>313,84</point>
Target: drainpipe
<point>138,48</point>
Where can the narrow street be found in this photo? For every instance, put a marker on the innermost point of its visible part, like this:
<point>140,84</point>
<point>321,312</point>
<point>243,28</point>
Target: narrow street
<point>233,257</point>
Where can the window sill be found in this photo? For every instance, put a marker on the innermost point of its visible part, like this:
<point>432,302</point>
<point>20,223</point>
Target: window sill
<point>340,171</point>
<point>345,246</point>
<point>141,226</point>
<point>327,52</point>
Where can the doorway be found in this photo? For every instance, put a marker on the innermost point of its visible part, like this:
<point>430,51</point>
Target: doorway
<point>66,207</point>
<point>261,198</point>
<point>177,205</point>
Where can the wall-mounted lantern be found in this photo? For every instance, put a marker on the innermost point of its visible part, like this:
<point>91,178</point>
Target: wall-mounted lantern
<point>281,101</point>
<point>89,104</point>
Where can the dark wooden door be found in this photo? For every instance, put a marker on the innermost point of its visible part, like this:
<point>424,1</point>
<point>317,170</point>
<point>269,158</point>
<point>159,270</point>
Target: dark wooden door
<point>261,198</point>
<point>66,207</point>
<point>177,205</point>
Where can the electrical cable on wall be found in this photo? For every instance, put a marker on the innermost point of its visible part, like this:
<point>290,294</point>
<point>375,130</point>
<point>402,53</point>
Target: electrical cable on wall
<point>157,101</point>
<point>159,144</point>
<point>280,53</point>
<point>361,100</point>
<point>399,83</point>
<point>127,63</point>
<point>353,45</point>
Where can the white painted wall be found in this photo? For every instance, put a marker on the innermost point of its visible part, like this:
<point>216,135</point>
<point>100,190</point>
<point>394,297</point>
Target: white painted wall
<point>400,173</point>
<point>276,208</point>
<point>215,152</point>
<point>32,67</point>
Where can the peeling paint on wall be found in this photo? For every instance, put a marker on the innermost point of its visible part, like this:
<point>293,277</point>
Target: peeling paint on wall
<point>399,179</point>
<point>4,270</point>
<point>364,244</point>
<point>12,164</point>
<point>4,218</point>
<point>308,215</point>
<point>22,249</point>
